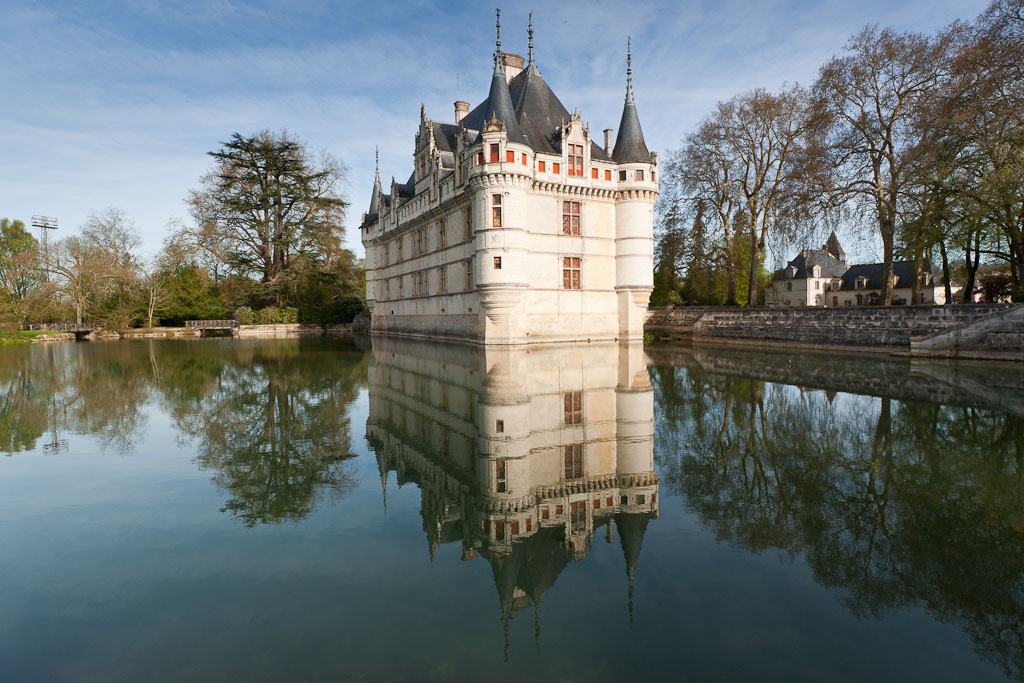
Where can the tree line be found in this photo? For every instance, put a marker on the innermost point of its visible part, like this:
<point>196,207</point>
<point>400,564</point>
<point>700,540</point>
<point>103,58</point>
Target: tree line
<point>917,140</point>
<point>265,234</point>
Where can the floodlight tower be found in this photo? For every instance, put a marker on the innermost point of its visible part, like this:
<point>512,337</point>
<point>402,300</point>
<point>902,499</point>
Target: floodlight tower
<point>44,224</point>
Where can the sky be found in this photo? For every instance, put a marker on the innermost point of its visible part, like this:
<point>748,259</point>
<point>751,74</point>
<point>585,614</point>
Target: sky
<point>115,104</point>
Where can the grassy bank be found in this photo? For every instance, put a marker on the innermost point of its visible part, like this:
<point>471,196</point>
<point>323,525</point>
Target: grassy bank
<point>21,336</point>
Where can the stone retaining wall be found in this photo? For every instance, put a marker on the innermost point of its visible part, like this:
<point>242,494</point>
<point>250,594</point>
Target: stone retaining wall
<point>861,327</point>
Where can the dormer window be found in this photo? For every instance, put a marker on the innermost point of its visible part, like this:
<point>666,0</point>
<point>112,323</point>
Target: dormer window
<point>816,271</point>
<point>791,271</point>
<point>861,282</point>
<point>575,160</point>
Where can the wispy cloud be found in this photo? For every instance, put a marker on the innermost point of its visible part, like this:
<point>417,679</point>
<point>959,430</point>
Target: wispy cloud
<point>116,103</point>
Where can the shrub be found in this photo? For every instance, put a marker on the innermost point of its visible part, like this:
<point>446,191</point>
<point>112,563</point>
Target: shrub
<point>243,314</point>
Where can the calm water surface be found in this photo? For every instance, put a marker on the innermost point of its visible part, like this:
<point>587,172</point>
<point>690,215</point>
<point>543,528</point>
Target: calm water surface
<point>323,510</point>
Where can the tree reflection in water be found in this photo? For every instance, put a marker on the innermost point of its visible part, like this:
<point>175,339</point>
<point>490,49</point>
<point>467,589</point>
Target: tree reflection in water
<point>894,503</point>
<point>269,419</point>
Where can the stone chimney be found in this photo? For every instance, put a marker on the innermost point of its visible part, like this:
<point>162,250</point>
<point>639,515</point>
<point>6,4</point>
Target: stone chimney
<point>513,65</point>
<point>608,141</point>
<point>461,109</point>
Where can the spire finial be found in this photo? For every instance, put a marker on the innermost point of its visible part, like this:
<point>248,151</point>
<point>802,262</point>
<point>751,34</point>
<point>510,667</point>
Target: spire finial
<point>629,67</point>
<point>529,32</point>
<point>497,26</point>
<point>376,151</point>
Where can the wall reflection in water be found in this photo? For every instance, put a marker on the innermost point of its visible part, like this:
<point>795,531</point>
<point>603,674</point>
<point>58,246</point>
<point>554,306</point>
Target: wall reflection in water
<point>522,456</point>
<point>907,492</point>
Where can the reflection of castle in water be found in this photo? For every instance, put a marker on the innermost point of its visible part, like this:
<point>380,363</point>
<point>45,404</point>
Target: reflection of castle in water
<point>521,455</point>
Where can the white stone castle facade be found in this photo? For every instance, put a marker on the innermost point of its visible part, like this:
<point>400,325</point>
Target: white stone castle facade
<point>514,227</point>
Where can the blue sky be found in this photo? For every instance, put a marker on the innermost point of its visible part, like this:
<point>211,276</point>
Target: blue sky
<point>116,103</point>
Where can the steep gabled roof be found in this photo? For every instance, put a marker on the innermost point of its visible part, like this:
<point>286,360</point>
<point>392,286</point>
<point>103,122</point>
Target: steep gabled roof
<point>832,246</point>
<point>538,111</point>
<point>807,259</point>
<point>444,135</point>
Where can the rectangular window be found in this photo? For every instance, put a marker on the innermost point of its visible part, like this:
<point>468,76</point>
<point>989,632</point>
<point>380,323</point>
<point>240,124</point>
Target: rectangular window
<point>578,516</point>
<point>469,276</point>
<point>575,160</point>
<point>608,502</point>
<point>496,210</point>
<point>593,173</point>
<point>510,156</point>
<point>622,176</point>
<point>641,499</point>
<point>607,175</point>
<point>515,528</point>
<point>573,460</point>
<point>541,166</point>
<point>652,176</point>
<point>479,158</point>
<point>570,272</point>
<point>639,174</point>
<point>573,407</point>
<point>469,224</point>
<point>817,285</point>
<point>499,476</point>
<point>597,503</point>
<point>499,530</point>
<point>524,160</point>
<point>497,263</point>
<point>499,426</point>
<point>545,513</point>
<point>442,234</point>
<point>835,301</point>
<point>624,500</point>
<point>570,218</point>
<point>558,509</point>
<point>443,280</point>
<point>529,524</point>
<point>555,167</point>
<point>494,154</point>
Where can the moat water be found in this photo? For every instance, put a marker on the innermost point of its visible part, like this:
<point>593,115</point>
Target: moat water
<point>317,509</point>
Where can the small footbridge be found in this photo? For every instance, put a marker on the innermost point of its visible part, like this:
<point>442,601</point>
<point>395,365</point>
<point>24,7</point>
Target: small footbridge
<point>204,326</point>
<point>78,329</point>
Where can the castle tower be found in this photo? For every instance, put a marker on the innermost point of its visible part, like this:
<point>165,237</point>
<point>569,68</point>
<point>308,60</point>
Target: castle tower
<point>634,217</point>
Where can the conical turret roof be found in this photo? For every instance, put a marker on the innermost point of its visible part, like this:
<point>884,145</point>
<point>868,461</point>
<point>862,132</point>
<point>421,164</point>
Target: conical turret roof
<point>498,105</point>
<point>377,191</point>
<point>629,143</point>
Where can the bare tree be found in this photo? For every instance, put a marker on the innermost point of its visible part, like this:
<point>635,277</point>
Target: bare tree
<point>703,174</point>
<point>767,135</point>
<point>98,268</point>
<point>871,97</point>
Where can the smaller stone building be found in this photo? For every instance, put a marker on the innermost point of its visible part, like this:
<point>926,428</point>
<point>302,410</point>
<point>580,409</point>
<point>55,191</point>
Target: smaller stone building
<point>823,278</point>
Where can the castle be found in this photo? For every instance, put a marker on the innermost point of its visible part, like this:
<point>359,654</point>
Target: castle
<point>515,227</point>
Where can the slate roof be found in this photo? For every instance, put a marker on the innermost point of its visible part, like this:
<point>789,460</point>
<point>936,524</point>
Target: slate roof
<point>903,270</point>
<point>833,247</point>
<point>629,143</point>
<point>498,105</point>
<point>807,259</point>
<point>444,135</point>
